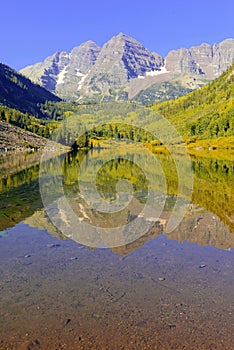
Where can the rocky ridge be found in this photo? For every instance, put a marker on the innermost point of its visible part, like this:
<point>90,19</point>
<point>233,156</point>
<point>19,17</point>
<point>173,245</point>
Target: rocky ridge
<point>123,67</point>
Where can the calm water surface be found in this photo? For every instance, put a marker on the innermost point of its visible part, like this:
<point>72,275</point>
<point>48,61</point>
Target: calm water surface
<point>160,291</point>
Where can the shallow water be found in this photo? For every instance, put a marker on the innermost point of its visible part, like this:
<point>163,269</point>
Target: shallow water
<point>160,291</point>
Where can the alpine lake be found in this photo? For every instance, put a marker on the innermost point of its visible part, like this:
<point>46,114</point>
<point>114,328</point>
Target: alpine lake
<point>162,289</point>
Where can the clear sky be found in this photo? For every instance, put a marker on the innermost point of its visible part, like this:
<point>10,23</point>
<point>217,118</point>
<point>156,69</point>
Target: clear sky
<point>31,30</point>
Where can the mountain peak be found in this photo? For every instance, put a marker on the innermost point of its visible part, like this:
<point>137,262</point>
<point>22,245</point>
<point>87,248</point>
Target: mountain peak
<point>121,59</point>
<point>103,71</point>
<point>124,37</point>
<point>121,35</point>
<point>228,41</point>
<point>89,43</point>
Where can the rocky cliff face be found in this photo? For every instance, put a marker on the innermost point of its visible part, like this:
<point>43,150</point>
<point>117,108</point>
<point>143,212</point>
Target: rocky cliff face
<point>89,69</point>
<point>81,60</point>
<point>204,60</point>
<point>125,65</point>
<point>64,71</point>
<point>181,62</point>
<point>120,60</point>
<point>46,73</point>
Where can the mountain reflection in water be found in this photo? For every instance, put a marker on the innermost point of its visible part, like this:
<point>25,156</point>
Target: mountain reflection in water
<point>156,292</point>
<point>209,220</point>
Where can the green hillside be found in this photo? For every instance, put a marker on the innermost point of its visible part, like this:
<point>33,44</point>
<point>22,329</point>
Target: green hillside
<point>18,92</point>
<point>205,113</point>
<point>41,127</point>
<point>161,92</point>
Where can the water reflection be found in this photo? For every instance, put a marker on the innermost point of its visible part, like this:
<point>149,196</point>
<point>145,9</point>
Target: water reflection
<point>19,189</point>
<point>210,219</point>
<point>153,293</point>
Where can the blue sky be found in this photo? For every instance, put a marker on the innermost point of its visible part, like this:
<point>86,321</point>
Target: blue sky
<point>32,30</point>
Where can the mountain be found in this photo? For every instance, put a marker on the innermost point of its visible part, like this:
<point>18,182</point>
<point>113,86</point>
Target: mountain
<point>205,113</point>
<point>63,72</point>
<point>18,92</point>
<point>219,234</point>
<point>123,67</point>
<point>204,60</point>
<point>90,70</point>
<point>121,59</point>
<point>187,68</point>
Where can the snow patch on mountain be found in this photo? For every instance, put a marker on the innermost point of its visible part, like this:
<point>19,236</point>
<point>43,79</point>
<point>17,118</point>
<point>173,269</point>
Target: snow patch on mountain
<point>61,76</point>
<point>162,70</point>
<point>79,74</point>
<point>82,81</point>
<point>154,73</point>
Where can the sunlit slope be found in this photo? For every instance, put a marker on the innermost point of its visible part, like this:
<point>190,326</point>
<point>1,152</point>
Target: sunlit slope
<point>205,113</point>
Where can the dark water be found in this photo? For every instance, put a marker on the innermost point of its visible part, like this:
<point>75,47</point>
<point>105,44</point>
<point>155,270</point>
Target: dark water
<point>162,291</point>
